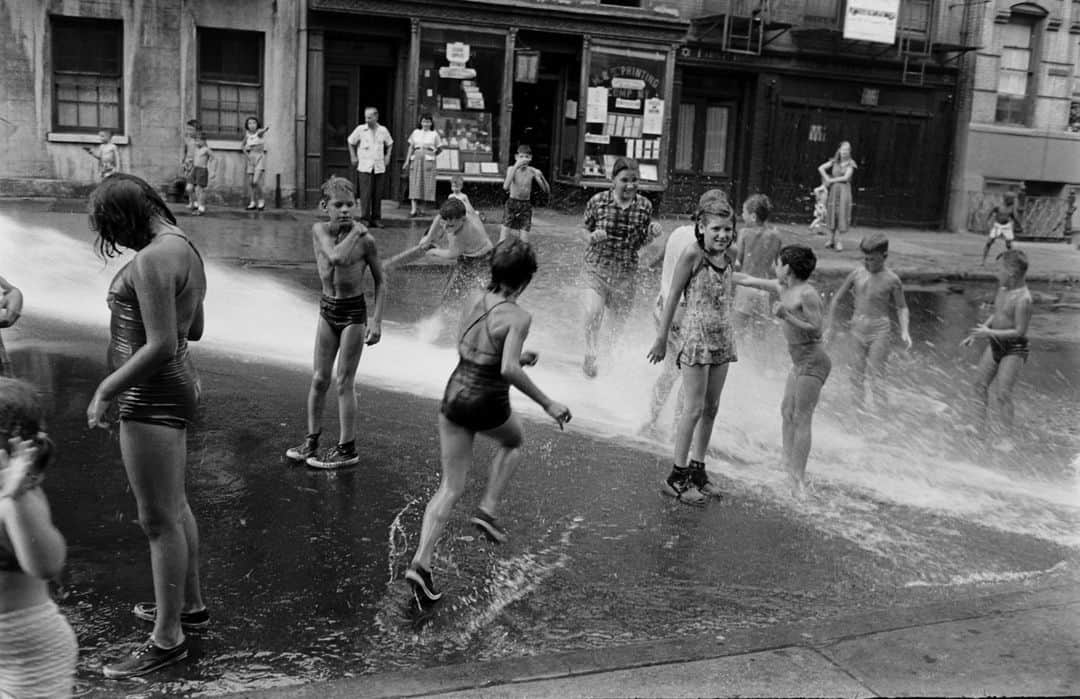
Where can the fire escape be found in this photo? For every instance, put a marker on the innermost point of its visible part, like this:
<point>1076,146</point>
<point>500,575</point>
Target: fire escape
<point>746,26</point>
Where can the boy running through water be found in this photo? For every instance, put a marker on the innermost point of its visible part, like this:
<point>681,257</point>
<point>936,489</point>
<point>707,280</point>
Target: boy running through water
<point>801,310</point>
<point>344,250</point>
<point>1003,223</point>
<point>758,248</point>
<point>877,292</point>
<point>519,182</point>
<point>1006,329</point>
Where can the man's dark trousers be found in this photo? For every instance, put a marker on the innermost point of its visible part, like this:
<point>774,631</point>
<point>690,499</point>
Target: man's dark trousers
<point>370,188</point>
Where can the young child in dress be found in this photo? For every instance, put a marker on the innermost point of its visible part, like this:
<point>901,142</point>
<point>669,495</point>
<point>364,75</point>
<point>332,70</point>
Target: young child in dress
<point>107,154</point>
<point>253,146</point>
<point>200,172</point>
<point>821,208</point>
<point>703,275</point>
<point>1003,222</point>
<point>518,184</point>
<point>801,310</point>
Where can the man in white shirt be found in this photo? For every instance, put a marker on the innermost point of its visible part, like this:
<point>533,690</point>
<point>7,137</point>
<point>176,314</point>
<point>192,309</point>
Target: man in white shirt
<point>370,145</point>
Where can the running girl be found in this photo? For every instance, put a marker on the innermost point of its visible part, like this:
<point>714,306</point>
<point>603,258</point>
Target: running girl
<point>477,400</point>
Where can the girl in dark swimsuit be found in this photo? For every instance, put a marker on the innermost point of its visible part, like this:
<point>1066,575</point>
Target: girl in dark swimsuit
<point>38,649</point>
<point>157,307</point>
<point>477,400</point>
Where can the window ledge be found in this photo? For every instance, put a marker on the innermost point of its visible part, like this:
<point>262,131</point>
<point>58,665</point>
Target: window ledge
<point>92,138</point>
<point>224,144</point>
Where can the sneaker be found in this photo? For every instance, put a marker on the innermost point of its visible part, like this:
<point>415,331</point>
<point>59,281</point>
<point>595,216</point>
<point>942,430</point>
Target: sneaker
<point>699,477</point>
<point>202,210</point>
<point>420,581</point>
<point>336,457</point>
<point>303,452</point>
<point>261,205</point>
<point>146,660</point>
<point>250,206</point>
<point>678,486</point>
<point>487,526</point>
<point>589,366</point>
<point>191,621</point>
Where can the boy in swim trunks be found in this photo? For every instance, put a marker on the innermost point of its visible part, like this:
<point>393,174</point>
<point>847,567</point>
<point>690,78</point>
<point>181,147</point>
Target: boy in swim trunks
<point>757,250</point>
<point>802,312</point>
<point>1006,329</point>
<point>877,292</point>
<point>1003,223</point>
<point>519,182</point>
<point>344,250</point>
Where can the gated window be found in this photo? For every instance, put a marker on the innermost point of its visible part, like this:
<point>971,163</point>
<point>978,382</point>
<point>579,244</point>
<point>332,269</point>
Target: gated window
<point>87,72</point>
<point>230,80</point>
<point>703,138</point>
<point>1015,76</point>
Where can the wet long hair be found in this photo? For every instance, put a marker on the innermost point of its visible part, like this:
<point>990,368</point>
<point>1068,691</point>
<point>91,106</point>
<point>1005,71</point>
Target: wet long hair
<point>122,209</point>
<point>513,264</point>
<point>22,417</point>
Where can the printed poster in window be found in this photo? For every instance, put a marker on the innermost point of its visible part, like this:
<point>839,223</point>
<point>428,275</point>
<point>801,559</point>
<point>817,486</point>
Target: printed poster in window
<point>654,116</point>
<point>596,109</point>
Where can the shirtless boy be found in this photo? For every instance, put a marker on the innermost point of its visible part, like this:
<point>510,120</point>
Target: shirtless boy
<point>1006,329</point>
<point>801,309</point>
<point>519,182</point>
<point>877,291</point>
<point>344,250</point>
<point>1003,223</point>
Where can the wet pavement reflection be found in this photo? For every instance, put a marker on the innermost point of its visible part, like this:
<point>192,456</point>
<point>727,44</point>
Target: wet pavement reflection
<point>302,569</point>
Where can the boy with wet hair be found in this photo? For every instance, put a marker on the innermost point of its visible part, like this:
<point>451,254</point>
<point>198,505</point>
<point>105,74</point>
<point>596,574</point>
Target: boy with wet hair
<point>801,310</point>
<point>518,184</point>
<point>1003,222</point>
<point>877,292</point>
<point>1006,329</point>
<point>756,253</point>
<point>344,251</point>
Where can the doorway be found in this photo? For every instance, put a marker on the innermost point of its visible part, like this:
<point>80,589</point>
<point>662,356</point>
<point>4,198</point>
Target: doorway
<point>533,121</point>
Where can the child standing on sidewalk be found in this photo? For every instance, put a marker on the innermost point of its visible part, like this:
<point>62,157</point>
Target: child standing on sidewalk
<point>253,146</point>
<point>1003,223</point>
<point>457,184</point>
<point>344,251</point>
<point>801,310</point>
<point>704,275</point>
<point>200,172</point>
<point>518,184</point>
<point>1006,329</point>
<point>107,155</point>
<point>187,161</point>
<point>758,248</point>
<point>878,291</point>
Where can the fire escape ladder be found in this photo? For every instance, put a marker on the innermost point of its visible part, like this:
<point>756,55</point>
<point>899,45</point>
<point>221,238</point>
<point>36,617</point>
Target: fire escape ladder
<point>744,26</point>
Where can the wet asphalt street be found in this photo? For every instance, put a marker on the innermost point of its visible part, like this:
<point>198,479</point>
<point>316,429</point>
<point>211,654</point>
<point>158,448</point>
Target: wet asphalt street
<point>302,569</point>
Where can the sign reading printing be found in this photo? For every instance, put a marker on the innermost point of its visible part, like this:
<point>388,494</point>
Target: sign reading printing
<point>871,20</point>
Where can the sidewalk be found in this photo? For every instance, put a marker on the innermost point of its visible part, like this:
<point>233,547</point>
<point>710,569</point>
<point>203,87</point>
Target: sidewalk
<point>1014,644</point>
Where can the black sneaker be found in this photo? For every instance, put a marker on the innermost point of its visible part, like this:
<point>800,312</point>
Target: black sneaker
<point>699,477</point>
<point>678,486</point>
<point>146,660</point>
<point>302,452</point>
<point>336,457</point>
<point>420,581</point>
<point>486,524</point>
<point>191,621</point>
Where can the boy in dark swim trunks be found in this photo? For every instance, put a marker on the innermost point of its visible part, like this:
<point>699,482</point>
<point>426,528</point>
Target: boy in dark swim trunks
<point>344,250</point>
<point>477,400</point>
<point>519,181</point>
<point>1006,329</point>
<point>801,309</point>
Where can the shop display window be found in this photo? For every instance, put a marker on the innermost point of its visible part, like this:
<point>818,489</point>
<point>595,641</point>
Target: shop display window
<point>461,86</point>
<point>625,111</point>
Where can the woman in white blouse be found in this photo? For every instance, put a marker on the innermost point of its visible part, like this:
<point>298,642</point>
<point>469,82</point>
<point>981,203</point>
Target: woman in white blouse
<point>424,144</point>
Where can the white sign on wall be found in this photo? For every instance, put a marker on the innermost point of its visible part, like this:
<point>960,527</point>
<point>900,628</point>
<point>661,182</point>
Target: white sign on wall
<point>871,20</point>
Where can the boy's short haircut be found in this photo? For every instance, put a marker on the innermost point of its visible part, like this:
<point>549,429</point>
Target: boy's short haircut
<point>337,186</point>
<point>194,123</point>
<point>1008,197</point>
<point>800,259</point>
<point>457,180</point>
<point>524,149</point>
<point>760,206</point>
<point>513,262</point>
<point>875,242</point>
<point>1016,260</point>
<point>452,208</point>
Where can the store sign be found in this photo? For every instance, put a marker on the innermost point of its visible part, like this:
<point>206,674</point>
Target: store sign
<point>527,66</point>
<point>457,52</point>
<point>457,55</point>
<point>870,96</point>
<point>871,20</point>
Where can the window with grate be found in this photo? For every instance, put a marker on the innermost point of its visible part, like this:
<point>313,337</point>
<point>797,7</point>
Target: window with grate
<point>87,74</point>
<point>230,72</point>
<point>1015,76</point>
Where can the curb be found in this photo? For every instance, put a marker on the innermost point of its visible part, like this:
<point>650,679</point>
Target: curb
<point>810,635</point>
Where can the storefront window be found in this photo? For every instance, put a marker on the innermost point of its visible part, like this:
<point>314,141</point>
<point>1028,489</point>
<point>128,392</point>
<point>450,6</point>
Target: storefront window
<point>461,86</point>
<point>625,111</point>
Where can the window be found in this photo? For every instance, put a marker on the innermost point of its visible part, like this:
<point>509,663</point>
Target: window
<point>622,3</point>
<point>230,80</point>
<point>703,138</point>
<point>87,59</point>
<point>1015,74</point>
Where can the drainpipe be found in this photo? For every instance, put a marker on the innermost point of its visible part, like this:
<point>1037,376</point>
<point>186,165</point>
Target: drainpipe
<point>300,136</point>
<point>957,204</point>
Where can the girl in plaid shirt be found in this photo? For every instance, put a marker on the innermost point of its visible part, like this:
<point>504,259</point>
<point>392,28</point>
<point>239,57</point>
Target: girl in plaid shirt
<point>618,223</point>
